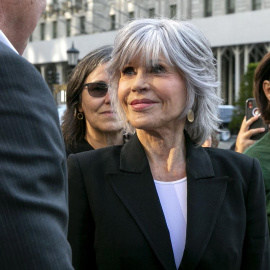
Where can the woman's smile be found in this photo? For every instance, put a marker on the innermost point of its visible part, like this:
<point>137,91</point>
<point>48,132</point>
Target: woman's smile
<point>140,104</point>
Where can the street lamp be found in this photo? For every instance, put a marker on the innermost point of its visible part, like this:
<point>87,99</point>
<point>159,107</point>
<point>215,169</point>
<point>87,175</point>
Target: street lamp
<point>73,56</point>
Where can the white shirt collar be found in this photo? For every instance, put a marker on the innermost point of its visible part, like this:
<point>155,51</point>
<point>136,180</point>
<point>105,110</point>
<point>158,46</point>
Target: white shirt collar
<point>5,40</point>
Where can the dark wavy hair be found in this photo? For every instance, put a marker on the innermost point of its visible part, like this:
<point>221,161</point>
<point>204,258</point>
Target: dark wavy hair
<point>261,74</point>
<point>74,129</point>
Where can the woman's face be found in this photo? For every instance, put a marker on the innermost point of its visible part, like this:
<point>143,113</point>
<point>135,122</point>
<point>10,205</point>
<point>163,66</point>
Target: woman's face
<point>153,98</point>
<point>97,110</point>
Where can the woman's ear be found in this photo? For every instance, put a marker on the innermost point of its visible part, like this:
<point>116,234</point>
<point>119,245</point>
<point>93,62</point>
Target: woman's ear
<point>266,89</point>
<point>80,108</point>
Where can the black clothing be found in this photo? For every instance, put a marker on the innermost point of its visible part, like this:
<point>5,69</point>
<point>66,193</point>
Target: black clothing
<point>80,146</point>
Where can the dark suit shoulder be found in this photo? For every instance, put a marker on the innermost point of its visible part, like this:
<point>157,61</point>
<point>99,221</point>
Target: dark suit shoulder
<point>9,56</point>
<point>32,170</point>
<point>104,152</point>
<point>107,157</point>
<point>26,73</point>
<point>237,166</point>
<point>226,154</point>
<point>222,152</point>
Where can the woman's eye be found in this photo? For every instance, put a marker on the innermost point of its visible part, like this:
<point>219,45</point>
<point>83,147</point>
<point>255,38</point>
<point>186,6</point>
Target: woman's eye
<point>128,71</point>
<point>157,69</point>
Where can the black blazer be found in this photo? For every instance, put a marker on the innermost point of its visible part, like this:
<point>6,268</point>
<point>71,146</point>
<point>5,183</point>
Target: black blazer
<point>80,146</point>
<point>116,220</point>
<point>33,173</point>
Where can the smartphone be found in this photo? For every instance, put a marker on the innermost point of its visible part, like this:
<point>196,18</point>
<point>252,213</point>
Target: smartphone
<point>252,110</point>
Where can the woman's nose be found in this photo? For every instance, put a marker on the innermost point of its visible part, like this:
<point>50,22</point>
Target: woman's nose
<point>107,98</point>
<point>140,82</point>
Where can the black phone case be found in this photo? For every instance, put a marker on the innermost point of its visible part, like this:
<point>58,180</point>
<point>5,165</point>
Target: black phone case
<point>252,110</point>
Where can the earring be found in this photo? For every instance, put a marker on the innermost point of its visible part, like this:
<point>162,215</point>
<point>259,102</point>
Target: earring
<point>80,116</point>
<point>190,116</point>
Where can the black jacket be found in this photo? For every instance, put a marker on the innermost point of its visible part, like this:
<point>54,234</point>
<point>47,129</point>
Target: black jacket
<point>79,147</point>
<point>33,171</point>
<point>116,220</point>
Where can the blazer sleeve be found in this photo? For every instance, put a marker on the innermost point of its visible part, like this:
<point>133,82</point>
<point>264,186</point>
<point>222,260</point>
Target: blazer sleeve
<point>33,171</point>
<point>81,224</point>
<point>256,252</point>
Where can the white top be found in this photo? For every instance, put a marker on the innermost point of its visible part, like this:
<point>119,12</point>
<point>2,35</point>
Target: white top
<point>5,40</point>
<point>173,199</point>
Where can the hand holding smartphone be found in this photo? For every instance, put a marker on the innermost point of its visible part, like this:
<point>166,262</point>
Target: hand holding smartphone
<point>252,110</point>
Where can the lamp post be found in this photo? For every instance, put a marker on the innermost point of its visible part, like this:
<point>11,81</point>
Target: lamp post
<point>73,56</point>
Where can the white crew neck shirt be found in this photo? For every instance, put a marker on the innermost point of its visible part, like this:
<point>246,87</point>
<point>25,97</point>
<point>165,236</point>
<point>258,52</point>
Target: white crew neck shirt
<point>173,199</point>
<point>5,40</point>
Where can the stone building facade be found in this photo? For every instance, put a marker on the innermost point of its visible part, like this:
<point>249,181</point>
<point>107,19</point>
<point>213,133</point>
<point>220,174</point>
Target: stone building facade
<point>238,31</point>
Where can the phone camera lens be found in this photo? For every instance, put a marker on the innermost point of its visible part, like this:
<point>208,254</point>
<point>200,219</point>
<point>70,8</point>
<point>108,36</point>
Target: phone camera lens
<point>255,112</point>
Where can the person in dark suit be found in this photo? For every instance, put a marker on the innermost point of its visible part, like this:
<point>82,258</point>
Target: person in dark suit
<point>33,173</point>
<point>89,122</point>
<point>162,201</point>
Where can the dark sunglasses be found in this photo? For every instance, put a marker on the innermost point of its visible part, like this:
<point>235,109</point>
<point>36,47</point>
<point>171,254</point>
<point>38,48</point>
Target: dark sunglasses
<point>96,89</point>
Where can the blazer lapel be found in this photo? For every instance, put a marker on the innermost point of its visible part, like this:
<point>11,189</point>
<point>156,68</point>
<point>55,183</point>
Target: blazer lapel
<point>135,187</point>
<point>205,194</point>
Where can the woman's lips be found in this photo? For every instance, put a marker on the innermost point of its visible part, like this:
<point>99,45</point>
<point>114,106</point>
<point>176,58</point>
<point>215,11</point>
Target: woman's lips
<point>139,104</point>
<point>109,113</point>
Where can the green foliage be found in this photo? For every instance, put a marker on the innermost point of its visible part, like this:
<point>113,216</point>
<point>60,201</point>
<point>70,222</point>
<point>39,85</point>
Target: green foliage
<point>245,92</point>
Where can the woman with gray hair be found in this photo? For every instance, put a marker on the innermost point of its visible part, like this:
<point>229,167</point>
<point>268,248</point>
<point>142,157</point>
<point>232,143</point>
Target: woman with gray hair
<point>162,201</point>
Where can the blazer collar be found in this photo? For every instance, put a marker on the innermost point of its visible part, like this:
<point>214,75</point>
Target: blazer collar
<point>135,187</point>
<point>133,158</point>
<point>198,162</point>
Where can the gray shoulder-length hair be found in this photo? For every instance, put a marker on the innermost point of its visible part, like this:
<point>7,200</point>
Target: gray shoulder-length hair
<point>188,51</point>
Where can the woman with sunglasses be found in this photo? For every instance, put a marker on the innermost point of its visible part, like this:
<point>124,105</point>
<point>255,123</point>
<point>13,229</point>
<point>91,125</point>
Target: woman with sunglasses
<point>89,122</point>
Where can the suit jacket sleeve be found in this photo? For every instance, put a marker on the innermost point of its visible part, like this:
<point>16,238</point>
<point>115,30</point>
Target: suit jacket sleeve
<point>81,225</point>
<point>256,252</point>
<point>33,176</point>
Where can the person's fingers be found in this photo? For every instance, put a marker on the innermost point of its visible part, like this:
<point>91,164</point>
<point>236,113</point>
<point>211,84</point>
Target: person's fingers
<point>255,131</point>
<point>246,135</point>
<point>245,124</point>
<point>243,140</point>
<point>252,120</point>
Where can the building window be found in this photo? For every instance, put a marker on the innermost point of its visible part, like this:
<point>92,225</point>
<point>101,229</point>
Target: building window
<point>55,6</point>
<point>131,15</point>
<point>112,22</point>
<point>230,8</point>
<point>78,3</point>
<point>42,31</point>
<point>256,4</point>
<point>207,8</point>
<point>82,24</point>
<point>68,27</point>
<point>151,12</point>
<point>54,25</point>
<point>172,11</point>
